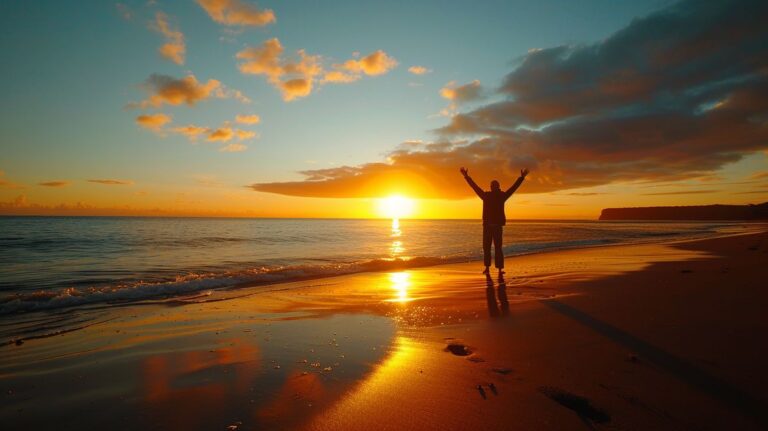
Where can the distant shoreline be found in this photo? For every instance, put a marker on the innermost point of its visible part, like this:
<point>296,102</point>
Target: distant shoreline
<point>715,212</point>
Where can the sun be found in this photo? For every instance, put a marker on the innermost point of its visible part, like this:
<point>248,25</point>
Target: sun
<point>395,207</point>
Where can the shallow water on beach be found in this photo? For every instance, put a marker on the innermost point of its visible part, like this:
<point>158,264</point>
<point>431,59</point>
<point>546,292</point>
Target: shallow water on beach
<point>63,262</point>
<point>160,371</point>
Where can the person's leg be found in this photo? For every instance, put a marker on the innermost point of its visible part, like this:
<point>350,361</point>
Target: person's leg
<point>498,251</point>
<point>487,238</point>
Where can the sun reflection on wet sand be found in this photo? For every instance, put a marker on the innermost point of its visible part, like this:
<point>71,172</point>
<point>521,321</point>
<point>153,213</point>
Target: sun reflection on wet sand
<point>401,281</point>
<point>407,369</point>
<point>175,382</point>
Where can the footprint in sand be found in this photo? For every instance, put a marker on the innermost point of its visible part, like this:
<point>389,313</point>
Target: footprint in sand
<point>458,349</point>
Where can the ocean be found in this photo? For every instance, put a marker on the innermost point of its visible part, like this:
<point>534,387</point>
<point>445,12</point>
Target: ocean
<point>54,263</point>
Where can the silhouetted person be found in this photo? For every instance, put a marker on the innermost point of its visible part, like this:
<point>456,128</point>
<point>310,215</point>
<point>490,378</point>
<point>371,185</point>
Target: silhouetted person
<point>493,216</point>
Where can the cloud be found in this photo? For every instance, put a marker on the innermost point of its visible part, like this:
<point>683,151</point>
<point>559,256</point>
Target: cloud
<point>168,90</point>
<point>750,192</point>
<point>376,63</point>
<point>237,13</point>
<point>244,134</point>
<point>54,183</point>
<point>223,92</point>
<point>759,175</point>
<point>462,93</point>
<point>675,95</point>
<point>154,122</point>
<point>191,131</point>
<point>583,194</point>
<point>292,76</point>
<point>248,119</point>
<point>222,134</point>
<point>295,76</point>
<point>112,182</point>
<point>226,134</point>
<point>459,95</point>
<point>419,70</point>
<point>340,77</point>
<point>174,48</point>
<point>682,192</point>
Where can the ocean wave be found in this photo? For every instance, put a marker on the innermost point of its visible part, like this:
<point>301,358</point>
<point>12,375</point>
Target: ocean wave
<point>196,283</point>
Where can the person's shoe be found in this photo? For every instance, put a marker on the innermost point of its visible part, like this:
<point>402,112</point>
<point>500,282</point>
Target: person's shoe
<point>501,272</point>
<point>487,270</point>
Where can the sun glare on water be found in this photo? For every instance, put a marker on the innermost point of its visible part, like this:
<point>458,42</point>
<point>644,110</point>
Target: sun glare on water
<point>395,207</point>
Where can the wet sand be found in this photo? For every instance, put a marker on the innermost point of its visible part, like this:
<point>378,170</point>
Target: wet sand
<point>628,337</point>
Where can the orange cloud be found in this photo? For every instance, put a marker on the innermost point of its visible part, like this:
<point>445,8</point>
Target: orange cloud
<point>293,77</point>
<point>681,192</point>
<point>248,119</point>
<point>244,134</point>
<point>174,48</point>
<point>339,77</point>
<point>294,88</point>
<point>376,63</point>
<point>223,134</point>
<point>237,13</point>
<point>462,93</point>
<point>226,134</point>
<point>112,182</point>
<point>418,70</point>
<point>168,90</point>
<point>154,122</point>
<point>54,183</point>
<point>263,60</point>
<point>190,131</point>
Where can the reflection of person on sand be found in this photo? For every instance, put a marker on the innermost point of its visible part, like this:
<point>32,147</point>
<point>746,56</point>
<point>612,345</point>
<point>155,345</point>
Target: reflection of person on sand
<point>490,296</point>
<point>493,216</point>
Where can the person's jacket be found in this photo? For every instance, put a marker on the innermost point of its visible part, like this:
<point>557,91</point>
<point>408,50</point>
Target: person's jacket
<point>493,202</point>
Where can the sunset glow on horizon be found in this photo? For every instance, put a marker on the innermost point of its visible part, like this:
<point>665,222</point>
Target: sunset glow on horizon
<point>247,108</point>
<point>395,207</point>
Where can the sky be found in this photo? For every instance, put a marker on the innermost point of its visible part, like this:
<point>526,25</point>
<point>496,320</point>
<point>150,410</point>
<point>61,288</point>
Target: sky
<point>320,109</point>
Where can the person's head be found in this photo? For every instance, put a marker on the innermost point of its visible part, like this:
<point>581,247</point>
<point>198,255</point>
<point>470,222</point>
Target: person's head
<point>495,185</point>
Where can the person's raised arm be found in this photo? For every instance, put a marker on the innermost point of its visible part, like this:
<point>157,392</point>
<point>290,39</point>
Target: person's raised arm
<point>471,182</point>
<point>523,174</point>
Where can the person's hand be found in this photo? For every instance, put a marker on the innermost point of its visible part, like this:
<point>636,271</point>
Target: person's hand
<point>464,171</point>
<point>524,172</point>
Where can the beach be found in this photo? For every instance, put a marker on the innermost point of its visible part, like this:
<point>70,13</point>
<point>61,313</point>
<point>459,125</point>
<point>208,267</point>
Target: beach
<point>641,336</point>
